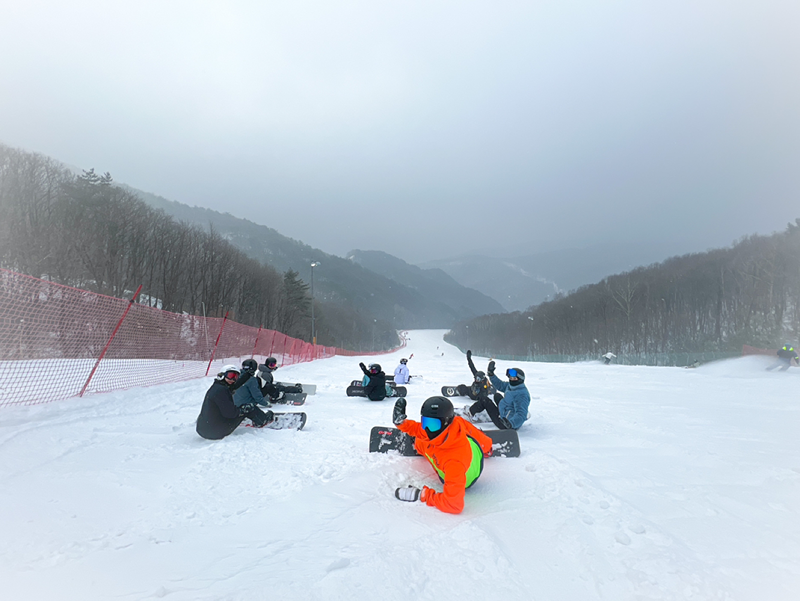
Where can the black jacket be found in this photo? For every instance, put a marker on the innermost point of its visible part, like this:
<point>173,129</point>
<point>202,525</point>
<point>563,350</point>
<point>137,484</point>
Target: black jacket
<point>376,387</point>
<point>219,416</point>
<point>479,389</point>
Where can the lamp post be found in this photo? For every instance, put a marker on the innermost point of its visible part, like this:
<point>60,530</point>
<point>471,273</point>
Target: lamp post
<point>313,321</point>
<point>530,338</point>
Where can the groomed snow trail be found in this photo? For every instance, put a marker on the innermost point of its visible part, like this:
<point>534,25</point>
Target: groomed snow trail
<point>634,483</point>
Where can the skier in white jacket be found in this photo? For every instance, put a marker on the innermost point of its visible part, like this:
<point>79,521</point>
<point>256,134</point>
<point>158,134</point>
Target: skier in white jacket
<point>401,373</point>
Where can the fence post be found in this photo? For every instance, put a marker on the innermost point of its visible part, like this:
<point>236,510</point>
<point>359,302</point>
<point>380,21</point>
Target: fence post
<point>114,333</point>
<point>216,344</point>
<point>255,346</point>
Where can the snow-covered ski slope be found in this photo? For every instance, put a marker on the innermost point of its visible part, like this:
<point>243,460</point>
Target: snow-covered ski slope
<point>634,483</point>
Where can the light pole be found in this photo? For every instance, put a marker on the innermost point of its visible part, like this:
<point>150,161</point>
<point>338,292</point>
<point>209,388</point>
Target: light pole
<point>313,322</point>
<point>530,339</point>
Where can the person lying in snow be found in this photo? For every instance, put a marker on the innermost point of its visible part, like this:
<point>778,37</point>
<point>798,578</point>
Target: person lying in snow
<point>219,415</point>
<point>454,447</point>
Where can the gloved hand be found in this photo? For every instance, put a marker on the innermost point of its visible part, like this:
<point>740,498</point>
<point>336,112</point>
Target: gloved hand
<point>409,493</point>
<point>469,354</point>
<point>245,409</point>
<point>362,366</point>
<point>490,369</point>
<point>399,415</point>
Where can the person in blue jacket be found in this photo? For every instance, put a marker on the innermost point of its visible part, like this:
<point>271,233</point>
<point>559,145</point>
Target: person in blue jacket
<point>250,392</point>
<point>510,411</point>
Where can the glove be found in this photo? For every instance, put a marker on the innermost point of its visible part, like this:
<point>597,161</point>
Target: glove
<point>245,409</point>
<point>469,354</point>
<point>362,366</point>
<point>490,369</point>
<point>409,493</point>
<point>399,415</point>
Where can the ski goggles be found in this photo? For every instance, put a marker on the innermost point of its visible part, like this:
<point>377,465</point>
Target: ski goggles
<point>434,424</point>
<point>512,373</point>
<point>232,375</point>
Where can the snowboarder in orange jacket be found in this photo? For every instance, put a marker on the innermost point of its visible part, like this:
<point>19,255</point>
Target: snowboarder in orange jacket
<point>454,447</point>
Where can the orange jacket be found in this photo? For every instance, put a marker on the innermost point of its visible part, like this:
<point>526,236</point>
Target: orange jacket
<point>452,456</point>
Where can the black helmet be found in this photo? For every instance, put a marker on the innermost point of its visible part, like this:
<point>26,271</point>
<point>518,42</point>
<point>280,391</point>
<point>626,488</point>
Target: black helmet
<point>271,363</point>
<point>480,376</point>
<point>403,361</point>
<point>374,368</point>
<point>249,365</point>
<point>436,408</point>
<point>515,372</point>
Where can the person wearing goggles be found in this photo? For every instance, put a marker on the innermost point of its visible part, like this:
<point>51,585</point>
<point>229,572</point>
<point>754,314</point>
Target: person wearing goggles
<point>509,411</point>
<point>272,391</point>
<point>375,386</point>
<point>454,447</point>
<point>219,415</point>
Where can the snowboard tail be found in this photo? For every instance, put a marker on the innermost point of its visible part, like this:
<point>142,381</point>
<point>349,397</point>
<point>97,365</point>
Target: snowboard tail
<point>285,421</point>
<point>397,391</point>
<point>505,443</point>
<point>460,390</point>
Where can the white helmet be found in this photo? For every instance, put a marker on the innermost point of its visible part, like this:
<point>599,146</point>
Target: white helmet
<point>227,369</point>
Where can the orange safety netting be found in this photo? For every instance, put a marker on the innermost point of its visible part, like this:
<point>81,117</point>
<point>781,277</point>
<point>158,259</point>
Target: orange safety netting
<point>58,342</point>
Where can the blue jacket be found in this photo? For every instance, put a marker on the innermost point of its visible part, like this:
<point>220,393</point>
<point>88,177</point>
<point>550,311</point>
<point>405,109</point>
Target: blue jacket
<point>514,406</point>
<point>249,393</point>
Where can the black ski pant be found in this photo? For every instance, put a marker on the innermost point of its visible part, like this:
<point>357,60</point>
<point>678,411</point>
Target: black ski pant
<point>490,406</point>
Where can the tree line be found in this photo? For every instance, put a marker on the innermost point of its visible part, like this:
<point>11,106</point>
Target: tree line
<point>714,301</point>
<point>85,232</point>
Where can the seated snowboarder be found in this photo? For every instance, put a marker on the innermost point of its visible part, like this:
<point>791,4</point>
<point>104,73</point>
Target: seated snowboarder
<point>480,388</point>
<point>508,412</point>
<point>785,357</point>
<point>375,386</point>
<point>249,393</point>
<point>401,373</point>
<point>271,390</point>
<point>219,415</point>
<point>454,447</point>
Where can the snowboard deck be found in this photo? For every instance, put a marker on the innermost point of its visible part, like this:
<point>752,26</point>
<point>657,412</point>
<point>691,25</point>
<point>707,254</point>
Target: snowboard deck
<point>361,383</point>
<point>505,443</point>
<point>460,390</point>
<point>307,388</point>
<point>290,398</point>
<point>285,421</point>
<point>397,391</point>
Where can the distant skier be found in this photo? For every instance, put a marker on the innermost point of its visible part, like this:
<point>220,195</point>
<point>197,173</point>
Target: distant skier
<point>785,357</point>
<point>608,357</point>
<point>401,373</point>
<point>219,415</point>
<point>508,412</point>
<point>271,390</point>
<point>454,447</point>
<point>375,386</point>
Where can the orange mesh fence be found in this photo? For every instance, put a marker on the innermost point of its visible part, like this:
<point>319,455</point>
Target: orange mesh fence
<point>88,346</point>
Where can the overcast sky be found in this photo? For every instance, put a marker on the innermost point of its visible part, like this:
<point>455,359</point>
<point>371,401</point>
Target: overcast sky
<point>424,128</point>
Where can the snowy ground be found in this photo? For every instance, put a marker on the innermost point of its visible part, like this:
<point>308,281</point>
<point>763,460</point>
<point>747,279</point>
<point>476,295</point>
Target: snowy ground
<point>634,483</point>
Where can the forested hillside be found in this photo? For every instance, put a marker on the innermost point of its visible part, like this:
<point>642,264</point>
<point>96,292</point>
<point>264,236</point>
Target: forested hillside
<point>714,301</point>
<point>86,232</point>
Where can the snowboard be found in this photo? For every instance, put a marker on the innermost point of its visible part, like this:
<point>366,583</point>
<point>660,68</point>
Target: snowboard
<point>505,443</point>
<point>460,390</point>
<point>290,398</point>
<point>307,388</point>
<point>361,383</point>
<point>359,391</point>
<point>285,421</point>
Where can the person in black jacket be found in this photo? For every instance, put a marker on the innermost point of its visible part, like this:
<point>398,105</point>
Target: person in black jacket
<point>374,382</point>
<point>481,388</point>
<point>785,357</point>
<point>219,415</point>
